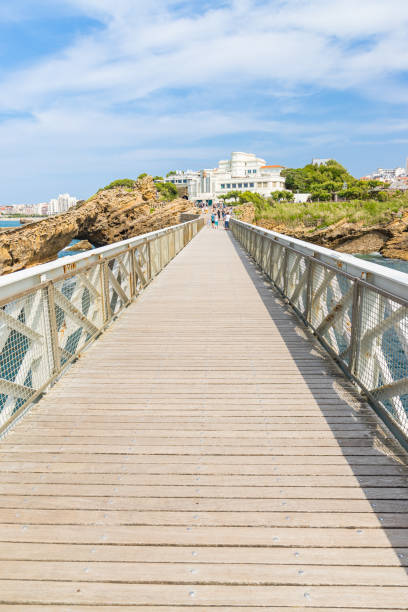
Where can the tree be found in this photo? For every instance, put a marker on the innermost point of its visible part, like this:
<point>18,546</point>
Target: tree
<point>328,180</point>
<point>129,183</point>
<point>171,173</point>
<point>167,191</point>
<point>158,178</point>
<point>141,176</point>
<point>286,196</point>
<point>232,195</point>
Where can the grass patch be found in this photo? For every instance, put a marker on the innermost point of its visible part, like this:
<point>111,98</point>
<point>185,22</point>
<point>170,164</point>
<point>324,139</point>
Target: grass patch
<point>322,214</point>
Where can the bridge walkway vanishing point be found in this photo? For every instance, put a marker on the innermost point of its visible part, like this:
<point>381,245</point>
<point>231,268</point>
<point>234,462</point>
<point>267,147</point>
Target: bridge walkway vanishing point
<point>203,454</point>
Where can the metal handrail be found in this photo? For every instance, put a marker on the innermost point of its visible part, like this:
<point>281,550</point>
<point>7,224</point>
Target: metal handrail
<point>358,310</point>
<point>50,313</point>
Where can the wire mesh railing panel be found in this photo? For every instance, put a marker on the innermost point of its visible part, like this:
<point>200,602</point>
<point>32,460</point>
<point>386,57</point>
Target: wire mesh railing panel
<point>382,359</point>
<point>24,362</point>
<point>331,306</point>
<point>78,312</point>
<point>155,257</point>
<point>296,280</point>
<point>278,262</point>
<point>140,265</point>
<point>118,273</point>
<point>266,256</point>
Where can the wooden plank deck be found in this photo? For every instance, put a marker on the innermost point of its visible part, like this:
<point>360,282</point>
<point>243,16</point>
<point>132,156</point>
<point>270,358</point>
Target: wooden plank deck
<point>203,454</point>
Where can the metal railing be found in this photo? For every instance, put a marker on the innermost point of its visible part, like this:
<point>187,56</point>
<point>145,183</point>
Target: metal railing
<point>358,311</point>
<point>51,312</point>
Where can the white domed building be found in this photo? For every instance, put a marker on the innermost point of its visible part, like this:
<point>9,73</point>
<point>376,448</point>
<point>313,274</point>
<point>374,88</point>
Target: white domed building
<point>243,172</point>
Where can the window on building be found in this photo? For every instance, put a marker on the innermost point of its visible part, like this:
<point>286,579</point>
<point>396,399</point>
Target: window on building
<point>253,171</point>
<point>234,185</point>
<point>252,184</point>
<point>239,185</point>
<point>228,185</point>
<point>185,181</point>
<point>223,186</point>
<point>245,184</point>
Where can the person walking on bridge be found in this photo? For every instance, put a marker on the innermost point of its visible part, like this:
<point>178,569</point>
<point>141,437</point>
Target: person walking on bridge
<point>227,220</point>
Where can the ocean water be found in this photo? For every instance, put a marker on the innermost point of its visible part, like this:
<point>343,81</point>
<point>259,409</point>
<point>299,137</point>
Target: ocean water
<point>16,223</point>
<point>396,264</point>
<point>10,223</point>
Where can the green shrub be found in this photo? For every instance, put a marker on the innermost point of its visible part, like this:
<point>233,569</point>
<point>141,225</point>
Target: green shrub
<point>167,191</point>
<point>129,183</point>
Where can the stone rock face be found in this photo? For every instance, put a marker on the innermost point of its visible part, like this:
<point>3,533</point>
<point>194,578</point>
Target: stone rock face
<point>390,239</point>
<point>109,216</point>
<point>247,213</point>
<point>82,245</point>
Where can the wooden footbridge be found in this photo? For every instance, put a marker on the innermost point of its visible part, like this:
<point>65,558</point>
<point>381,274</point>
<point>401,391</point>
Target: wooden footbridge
<point>204,452</point>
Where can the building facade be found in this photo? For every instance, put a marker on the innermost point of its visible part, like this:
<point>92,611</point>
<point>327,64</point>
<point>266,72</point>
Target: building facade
<point>243,172</point>
<point>61,204</point>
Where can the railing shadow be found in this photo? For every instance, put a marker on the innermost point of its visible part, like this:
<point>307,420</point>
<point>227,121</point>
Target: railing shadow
<point>384,459</point>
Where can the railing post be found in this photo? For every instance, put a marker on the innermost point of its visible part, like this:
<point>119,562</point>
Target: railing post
<point>285,271</point>
<point>161,252</point>
<point>53,331</point>
<point>173,233</point>
<point>270,261</point>
<point>149,259</point>
<point>132,253</point>
<point>309,288</point>
<point>105,291</point>
<point>355,328</point>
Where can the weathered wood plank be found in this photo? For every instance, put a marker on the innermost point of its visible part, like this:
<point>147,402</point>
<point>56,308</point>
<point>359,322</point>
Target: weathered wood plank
<point>202,573</point>
<point>204,536</point>
<point>100,593</point>
<point>31,499</point>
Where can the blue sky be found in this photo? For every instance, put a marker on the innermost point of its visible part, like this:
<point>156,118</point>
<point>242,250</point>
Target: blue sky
<point>93,90</point>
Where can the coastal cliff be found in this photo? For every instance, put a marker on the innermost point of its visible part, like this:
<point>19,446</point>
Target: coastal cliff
<point>109,216</point>
<point>389,238</point>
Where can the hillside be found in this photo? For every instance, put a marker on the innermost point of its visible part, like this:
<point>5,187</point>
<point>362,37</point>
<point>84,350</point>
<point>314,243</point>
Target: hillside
<point>119,211</point>
<point>350,227</point>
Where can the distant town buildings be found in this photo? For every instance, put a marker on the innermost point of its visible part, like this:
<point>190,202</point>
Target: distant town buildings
<point>61,204</point>
<point>396,178</point>
<point>243,172</point>
<point>317,161</point>
<point>53,207</point>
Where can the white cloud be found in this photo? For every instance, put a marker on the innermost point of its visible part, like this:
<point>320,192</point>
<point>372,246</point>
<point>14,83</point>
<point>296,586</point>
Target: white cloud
<point>144,49</point>
<point>283,48</point>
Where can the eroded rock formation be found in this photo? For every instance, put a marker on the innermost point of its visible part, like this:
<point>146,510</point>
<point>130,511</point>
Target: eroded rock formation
<point>109,216</point>
<point>389,239</point>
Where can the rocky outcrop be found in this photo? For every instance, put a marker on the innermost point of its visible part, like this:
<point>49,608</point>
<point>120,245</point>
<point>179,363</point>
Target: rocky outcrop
<point>82,245</point>
<point>390,239</point>
<point>246,213</point>
<point>109,216</point>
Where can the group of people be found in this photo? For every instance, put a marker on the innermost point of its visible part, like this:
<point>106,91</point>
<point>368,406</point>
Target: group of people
<point>220,215</point>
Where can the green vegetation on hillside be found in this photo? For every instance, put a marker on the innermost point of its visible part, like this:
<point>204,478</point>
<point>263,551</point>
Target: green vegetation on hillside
<point>322,214</point>
<point>329,180</point>
<point>167,191</point>
<point>129,183</point>
<point>366,202</point>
